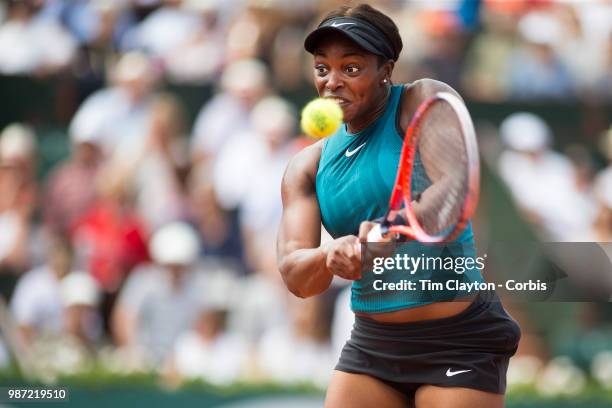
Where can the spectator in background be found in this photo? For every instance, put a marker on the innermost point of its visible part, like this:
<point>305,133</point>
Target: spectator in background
<point>245,33</point>
<point>262,294</point>
<point>73,347</point>
<point>299,351</point>
<point>287,61</point>
<point>255,194</point>
<point>70,190</point>
<point>594,20</point>
<point>342,322</point>
<point>36,304</point>
<point>603,83</point>
<point>446,41</point>
<point>17,197</point>
<point>163,30</point>
<point>209,351</point>
<point>200,56</point>
<point>583,59</point>
<point>536,72</point>
<point>160,300</point>
<point>33,44</point>
<point>80,297</point>
<point>602,225</point>
<point>264,147</point>
<point>243,84</point>
<point>217,227</point>
<point>605,145</point>
<point>119,114</point>
<point>110,238</point>
<point>5,356</point>
<point>185,35</point>
<point>156,168</point>
<point>97,26</point>
<point>487,62</point>
<point>91,22</point>
<point>543,183</point>
<point>18,148</point>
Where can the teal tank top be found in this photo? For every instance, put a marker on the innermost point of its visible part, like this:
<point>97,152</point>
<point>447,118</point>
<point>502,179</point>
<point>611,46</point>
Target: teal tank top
<point>354,181</point>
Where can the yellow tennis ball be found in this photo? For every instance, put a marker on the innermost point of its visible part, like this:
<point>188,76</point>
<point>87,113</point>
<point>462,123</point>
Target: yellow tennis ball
<point>321,117</point>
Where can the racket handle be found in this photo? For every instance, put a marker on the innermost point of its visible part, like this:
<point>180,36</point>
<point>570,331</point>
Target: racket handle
<point>376,235</point>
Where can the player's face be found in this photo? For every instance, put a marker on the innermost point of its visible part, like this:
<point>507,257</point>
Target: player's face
<point>344,71</point>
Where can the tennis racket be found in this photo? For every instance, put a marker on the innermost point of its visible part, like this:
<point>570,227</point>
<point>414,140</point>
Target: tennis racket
<point>438,178</point>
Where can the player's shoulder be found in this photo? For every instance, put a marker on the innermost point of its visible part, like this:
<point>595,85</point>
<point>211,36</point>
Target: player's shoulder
<point>302,168</point>
<point>415,93</point>
<point>424,88</point>
<point>307,158</point>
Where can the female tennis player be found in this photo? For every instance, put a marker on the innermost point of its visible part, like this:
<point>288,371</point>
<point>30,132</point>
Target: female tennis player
<point>402,352</point>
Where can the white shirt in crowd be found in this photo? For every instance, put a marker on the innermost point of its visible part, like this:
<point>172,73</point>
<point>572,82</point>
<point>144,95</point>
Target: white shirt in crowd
<point>162,311</point>
<point>285,358</point>
<point>247,175</point>
<point>26,46</point>
<point>547,187</point>
<point>262,306</point>
<point>37,301</point>
<point>109,117</point>
<point>217,122</point>
<point>220,361</point>
<point>343,321</point>
<point>163,30</point>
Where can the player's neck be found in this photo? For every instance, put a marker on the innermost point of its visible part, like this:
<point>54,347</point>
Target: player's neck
<point>363,121</point>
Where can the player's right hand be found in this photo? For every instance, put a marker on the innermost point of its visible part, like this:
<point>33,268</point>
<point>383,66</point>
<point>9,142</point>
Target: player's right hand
<point>343,257</point>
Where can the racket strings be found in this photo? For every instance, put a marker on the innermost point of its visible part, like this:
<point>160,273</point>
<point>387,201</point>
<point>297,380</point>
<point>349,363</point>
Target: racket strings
<point>439,177</point>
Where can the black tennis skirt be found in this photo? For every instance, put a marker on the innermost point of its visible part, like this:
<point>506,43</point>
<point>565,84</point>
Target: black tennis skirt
<point>470,350</point>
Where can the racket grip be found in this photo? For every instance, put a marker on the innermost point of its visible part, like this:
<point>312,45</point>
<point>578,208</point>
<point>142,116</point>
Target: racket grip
<point>375,235</point>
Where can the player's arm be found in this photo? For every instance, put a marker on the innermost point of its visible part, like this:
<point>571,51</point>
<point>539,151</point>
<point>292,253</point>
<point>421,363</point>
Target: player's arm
<point>306,267</point>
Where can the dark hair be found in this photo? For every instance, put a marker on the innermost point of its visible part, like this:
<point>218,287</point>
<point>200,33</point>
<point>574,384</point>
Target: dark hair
<point>376,18</point>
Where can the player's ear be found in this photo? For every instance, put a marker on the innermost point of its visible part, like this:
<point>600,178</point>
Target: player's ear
<point>387,70</point>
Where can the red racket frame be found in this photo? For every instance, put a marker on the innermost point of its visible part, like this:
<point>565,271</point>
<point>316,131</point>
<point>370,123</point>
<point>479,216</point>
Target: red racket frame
<point>402,189</point>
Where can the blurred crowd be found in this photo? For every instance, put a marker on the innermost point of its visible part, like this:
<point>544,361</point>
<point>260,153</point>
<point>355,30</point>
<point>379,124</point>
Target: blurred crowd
<point>564,194</point>
<point>151,246</point>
